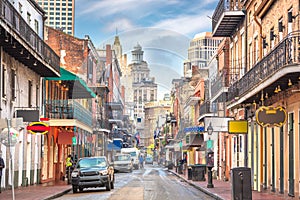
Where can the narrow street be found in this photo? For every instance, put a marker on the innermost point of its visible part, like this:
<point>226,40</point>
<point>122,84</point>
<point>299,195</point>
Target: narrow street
<point>151,183</point>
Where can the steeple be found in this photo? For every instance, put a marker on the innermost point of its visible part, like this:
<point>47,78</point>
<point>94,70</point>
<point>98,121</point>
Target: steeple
<point>117,45</point>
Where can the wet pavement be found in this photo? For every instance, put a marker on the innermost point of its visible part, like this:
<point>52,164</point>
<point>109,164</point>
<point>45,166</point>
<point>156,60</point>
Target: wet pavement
<point>221,190</point>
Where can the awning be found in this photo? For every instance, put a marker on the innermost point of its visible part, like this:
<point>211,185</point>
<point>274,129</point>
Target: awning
<point>77,87</point>
<point>195,140</point>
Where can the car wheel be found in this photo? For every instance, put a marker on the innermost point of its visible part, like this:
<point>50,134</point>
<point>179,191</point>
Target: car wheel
<point>74,188</point>
<point>80,189</point>
<point>108,185</point>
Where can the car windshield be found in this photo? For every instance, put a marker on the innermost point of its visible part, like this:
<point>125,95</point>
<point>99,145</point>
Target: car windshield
<point>91,162</point>
<point>122,157</point>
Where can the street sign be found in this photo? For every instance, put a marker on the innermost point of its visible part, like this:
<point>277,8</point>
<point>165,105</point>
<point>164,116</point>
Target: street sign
<point>74,140</point>
<point>38,127</point>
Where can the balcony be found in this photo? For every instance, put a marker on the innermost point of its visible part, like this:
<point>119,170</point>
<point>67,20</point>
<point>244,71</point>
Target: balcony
<point>219,87</point>
<point>115,105</point>
<point>22,43</point>
<point>67,109</point>
<point>277,69</point>
<point>206,109</point>
<point>116,117</point>
<point>226,17</point>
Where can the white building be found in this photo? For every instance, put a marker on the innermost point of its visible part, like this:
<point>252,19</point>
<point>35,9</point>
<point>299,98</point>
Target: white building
<point>24,59</point>
<point>202,47</point>
<point>143,86</point>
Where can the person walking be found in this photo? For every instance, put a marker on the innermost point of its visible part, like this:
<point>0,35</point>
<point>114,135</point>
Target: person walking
<point>141,160</point>
<point>2,165</point>
<point>69,165</point>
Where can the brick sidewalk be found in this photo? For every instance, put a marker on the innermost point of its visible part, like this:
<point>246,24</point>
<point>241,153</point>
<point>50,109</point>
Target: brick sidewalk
<point>222,190</point>
<point>37,192</point>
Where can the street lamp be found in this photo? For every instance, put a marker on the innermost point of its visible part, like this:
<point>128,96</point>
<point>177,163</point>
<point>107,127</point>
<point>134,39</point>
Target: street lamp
<point>210,129</point>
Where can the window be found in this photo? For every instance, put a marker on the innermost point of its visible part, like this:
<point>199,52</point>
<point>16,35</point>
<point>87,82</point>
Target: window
<point>4,79</point>
<point>36,26</point>
<point>20,8</point>
<point>29,93</point>
<point>28,17</point>
<point>13,84</point>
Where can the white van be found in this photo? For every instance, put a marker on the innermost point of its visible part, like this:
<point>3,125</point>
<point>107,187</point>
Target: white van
<point>134,153</point>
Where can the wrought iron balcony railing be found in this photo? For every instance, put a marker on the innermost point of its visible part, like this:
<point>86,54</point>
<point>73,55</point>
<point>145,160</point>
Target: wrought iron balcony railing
<point>12,19</point>
<point>67,109</point>
<point>285,54</point>
<point>226,17</point>
<point>220,84</point>
<point>205,108</point>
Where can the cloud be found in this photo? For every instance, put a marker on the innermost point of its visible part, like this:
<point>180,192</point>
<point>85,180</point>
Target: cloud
<point>187,24</point>
<point>129,7</point>
<point>120,25</point>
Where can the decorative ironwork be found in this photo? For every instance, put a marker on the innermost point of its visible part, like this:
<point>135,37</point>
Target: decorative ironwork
<point>67,109</point>
<point>284,54</point>
<point>10,16</point>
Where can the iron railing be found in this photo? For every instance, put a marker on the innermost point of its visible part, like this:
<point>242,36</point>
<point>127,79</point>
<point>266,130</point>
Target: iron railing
<point>205,108</point>
<point>67,109</point>
<point>10,16</point>
<point>220,82</point>
<point>225,5</point>
<point>286,53</point>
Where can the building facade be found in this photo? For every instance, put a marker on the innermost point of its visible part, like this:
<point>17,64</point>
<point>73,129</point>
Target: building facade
<point>25,58</point>
<point>263,74</point>
<point>143,86</point>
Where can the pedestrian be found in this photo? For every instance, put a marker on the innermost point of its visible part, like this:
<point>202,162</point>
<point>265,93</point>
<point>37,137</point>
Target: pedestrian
<point>2,165</point>
<point>69,165</point>
<point>141,160</point>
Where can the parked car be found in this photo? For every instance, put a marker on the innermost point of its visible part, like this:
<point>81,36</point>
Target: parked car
<point>93,172</point>
<point>123,163</point>
<point>149,160</point>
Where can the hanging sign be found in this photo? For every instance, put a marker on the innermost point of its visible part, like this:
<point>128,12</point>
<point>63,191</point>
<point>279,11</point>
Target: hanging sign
<point>38,127</point>
<point>270,116</point>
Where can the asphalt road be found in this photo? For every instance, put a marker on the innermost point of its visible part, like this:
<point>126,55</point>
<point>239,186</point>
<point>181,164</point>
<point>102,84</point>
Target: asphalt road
<point>150,183</point>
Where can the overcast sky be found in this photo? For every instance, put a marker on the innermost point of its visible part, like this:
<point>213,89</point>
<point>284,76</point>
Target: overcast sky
<point>163,28</point>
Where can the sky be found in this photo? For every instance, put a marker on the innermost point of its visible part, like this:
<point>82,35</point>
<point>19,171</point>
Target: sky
<point>163,28</point>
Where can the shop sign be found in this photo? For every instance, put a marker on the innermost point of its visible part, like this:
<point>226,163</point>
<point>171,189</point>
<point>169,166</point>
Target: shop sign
<point>270,116</point>
<point>238,126</point>
<point>38,127</point>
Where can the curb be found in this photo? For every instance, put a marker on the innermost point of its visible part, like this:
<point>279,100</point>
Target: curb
<point>215,196</point>
<point>58,195</point>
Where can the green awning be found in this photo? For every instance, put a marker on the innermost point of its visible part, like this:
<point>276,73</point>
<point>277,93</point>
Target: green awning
<point>77,87</point>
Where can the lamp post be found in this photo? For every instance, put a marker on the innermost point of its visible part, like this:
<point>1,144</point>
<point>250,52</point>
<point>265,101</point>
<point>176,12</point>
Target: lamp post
<point>210,159</point>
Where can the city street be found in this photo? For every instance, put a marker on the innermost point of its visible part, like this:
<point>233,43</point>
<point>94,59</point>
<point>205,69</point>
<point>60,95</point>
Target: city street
<point>150,183</point>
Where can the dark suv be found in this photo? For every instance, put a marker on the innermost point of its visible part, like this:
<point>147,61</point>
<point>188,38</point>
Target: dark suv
<point>93,172</point>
